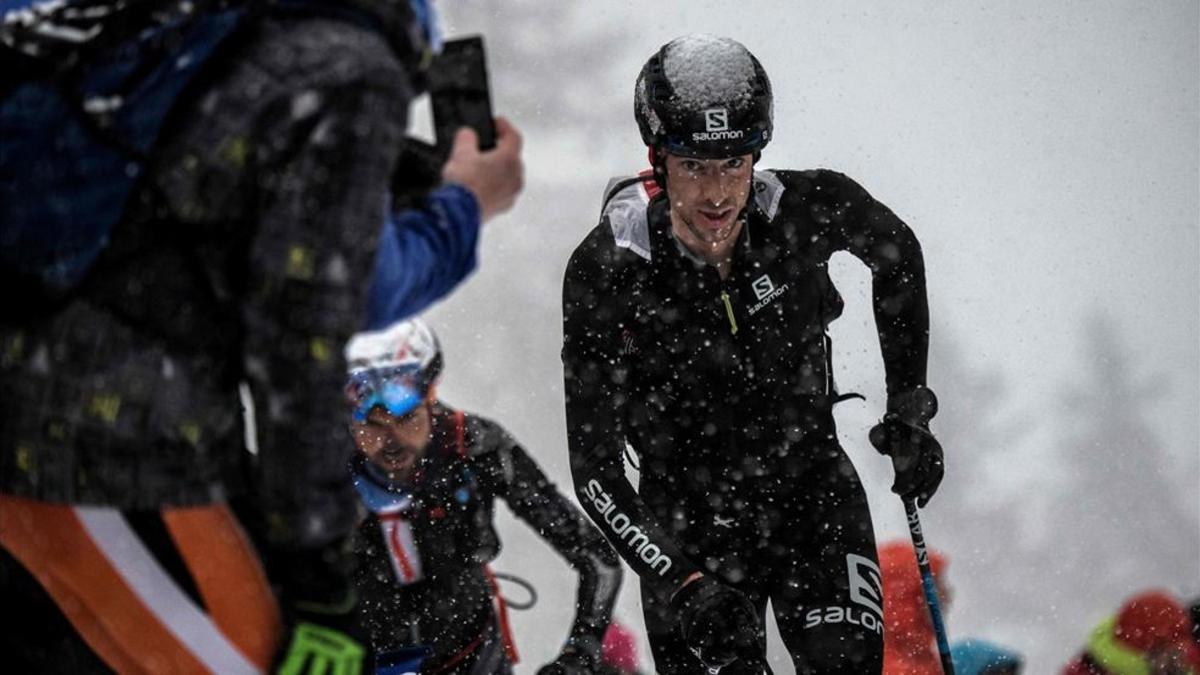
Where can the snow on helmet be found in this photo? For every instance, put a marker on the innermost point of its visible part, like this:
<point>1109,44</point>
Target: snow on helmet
<point>395,367</point>
<point>704,96</point>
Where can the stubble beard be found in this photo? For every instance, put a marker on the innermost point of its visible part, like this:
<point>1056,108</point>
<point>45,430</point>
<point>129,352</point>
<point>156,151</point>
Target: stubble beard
<point>712,240</point>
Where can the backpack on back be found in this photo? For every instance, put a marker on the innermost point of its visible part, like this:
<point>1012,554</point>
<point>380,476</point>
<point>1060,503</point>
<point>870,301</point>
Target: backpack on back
<point>87,91</point>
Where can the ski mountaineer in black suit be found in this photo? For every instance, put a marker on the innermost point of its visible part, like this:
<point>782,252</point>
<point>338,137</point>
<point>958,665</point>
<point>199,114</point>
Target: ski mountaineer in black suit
<point>429,476</point>
<point>695,319</point>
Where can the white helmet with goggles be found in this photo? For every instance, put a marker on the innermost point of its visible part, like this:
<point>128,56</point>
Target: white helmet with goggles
<point>395,368</point>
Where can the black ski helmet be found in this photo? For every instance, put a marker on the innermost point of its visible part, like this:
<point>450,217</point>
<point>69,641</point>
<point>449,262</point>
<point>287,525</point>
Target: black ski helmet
<point>704,96</point>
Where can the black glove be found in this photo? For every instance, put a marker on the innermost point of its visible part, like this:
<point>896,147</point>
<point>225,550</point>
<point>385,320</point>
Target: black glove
<point>324,640</point>
<point>321,614</point>
<point>718,623</point>
<point>904,435</point>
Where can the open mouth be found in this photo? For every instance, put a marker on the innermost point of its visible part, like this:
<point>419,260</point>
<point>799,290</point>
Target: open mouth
<point>398,459</point>
<point>715,218</point>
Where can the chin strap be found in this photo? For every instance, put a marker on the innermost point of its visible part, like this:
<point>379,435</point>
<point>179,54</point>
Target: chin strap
<point>658,167</point>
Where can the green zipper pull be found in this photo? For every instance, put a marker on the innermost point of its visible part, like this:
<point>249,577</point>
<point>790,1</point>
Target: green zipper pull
<point>729,313</point>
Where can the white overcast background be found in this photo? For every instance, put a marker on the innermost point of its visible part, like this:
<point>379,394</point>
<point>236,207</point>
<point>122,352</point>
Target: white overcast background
<point>1045,153</point>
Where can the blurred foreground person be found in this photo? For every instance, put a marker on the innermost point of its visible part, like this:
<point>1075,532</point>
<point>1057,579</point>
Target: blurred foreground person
<point>429,475</point>
<point>194,202</point>
<point>1152,634</point>
<point>910,647</point>
<point>694,334</point>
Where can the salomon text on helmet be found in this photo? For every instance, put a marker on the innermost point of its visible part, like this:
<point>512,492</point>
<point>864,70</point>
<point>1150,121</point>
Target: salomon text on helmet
<point>704,96</point>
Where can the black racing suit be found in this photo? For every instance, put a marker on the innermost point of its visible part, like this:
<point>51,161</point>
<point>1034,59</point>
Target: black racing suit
<point>424,548</point>
<point>723,389</point>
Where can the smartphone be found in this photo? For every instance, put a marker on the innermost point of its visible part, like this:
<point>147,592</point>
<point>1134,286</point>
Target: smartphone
<point>459,93</point>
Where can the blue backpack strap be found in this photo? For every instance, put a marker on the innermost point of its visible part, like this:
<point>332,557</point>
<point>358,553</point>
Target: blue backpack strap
<point>75,144</point>
<point>403,661</point>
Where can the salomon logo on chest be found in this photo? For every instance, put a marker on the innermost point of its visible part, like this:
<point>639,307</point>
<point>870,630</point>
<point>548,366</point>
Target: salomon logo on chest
<point>766,292</point>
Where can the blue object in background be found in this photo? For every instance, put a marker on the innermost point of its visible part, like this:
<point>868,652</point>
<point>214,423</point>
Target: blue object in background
<point>980,657</point>
<point>8,5</point>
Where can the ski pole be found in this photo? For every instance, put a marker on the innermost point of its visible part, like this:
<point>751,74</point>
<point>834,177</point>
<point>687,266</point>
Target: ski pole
<point>931,599</point>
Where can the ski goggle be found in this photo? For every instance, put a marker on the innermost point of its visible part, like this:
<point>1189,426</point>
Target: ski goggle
<point>399,390</point>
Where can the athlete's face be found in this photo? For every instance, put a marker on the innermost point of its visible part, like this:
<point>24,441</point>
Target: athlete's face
<point>707,195</point>
<point>394,443</point>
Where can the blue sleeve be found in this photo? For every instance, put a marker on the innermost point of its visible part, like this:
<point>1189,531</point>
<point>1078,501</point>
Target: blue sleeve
<point>423,254</point>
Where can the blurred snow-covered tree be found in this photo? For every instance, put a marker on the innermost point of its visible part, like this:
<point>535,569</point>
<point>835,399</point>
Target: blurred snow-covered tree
<point>973,519</point>
<point>1115,517</point>
<point>1131,521</point>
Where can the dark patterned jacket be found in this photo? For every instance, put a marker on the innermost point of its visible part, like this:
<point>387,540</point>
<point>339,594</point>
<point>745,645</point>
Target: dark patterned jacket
<point>244,259</point>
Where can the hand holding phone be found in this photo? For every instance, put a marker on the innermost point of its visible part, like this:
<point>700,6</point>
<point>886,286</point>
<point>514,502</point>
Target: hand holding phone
<point>473,150</point>
<point>495,176</point>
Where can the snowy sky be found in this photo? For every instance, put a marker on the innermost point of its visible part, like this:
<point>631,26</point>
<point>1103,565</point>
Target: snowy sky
<point>1045,153</point>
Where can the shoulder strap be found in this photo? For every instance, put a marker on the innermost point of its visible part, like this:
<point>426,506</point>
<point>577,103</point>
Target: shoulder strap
<point>460,433</point>
<point>506,634</point>
<point>625,203</point>
<point>617,185</point>
<point>768,190</point>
